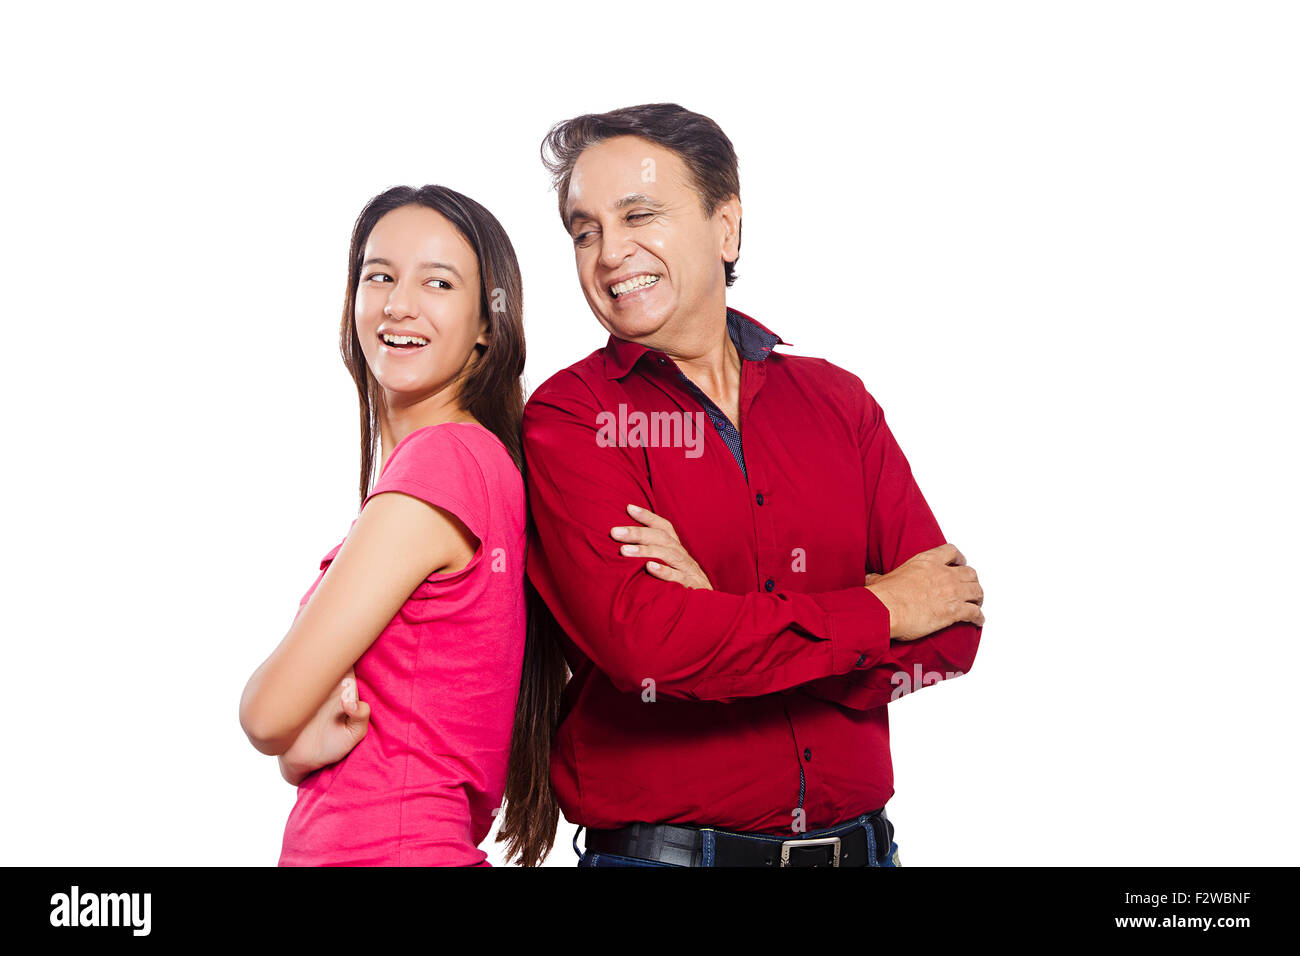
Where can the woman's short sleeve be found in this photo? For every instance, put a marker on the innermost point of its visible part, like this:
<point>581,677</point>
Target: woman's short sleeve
<point>436,466</point>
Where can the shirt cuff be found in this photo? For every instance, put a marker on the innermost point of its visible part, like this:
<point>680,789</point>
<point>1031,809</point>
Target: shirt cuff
<point>858,625</point>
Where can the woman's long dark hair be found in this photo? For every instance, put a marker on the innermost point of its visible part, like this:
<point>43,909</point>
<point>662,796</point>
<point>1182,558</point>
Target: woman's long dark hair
<point>492,391</point>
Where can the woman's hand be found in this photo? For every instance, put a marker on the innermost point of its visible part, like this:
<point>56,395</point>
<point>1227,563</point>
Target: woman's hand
<point>659,541</point>
<point>330,735</point>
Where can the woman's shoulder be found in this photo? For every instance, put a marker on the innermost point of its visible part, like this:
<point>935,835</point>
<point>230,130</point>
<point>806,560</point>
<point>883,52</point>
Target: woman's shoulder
<point>447,437</point>
<point>464,439</point>
<point>467,449</point>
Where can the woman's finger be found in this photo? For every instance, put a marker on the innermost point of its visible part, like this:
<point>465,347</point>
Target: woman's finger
<point>348,693</point>
<point>361,723</point>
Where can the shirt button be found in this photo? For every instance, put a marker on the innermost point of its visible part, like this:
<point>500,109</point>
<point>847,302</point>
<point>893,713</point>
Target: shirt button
<point>807,754</point>
<point>769,584</point>
<point>759,497</point>
<point>662,360</point>
<point>862,659</point>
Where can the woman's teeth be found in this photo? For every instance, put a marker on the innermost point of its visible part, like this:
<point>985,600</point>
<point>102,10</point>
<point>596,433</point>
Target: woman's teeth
<point>404,340</point>
<point>632,284</point>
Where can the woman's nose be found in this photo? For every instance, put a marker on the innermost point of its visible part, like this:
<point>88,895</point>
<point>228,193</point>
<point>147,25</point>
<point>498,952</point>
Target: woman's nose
<point>399,303</point>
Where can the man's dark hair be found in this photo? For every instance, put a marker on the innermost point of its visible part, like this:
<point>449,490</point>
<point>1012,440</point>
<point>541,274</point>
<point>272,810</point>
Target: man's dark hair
<point>700,142</point>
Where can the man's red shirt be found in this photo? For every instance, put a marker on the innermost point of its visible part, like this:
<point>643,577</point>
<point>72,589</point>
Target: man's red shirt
<point>740,706</point>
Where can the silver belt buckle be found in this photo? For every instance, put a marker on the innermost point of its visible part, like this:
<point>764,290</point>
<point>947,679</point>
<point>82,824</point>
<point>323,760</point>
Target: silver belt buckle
<point>819,841</point>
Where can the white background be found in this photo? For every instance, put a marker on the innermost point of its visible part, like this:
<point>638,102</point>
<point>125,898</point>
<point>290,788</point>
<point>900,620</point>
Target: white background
<point>1057,241</point>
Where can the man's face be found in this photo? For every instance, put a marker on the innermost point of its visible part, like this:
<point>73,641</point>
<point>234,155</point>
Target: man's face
<point>648,257</point>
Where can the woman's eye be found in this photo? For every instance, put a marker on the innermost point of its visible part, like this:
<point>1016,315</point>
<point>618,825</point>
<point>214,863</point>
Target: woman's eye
<point>442,283</point>
<point>378,275</point>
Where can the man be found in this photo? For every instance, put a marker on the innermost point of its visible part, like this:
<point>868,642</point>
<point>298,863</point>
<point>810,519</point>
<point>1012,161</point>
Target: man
<point>734,643</point>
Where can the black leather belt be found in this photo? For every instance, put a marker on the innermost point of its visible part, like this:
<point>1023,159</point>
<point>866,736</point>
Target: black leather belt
<point>683,845</point>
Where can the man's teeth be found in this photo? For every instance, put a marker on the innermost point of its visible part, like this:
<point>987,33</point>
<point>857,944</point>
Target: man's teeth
<point>404,340</point>
<point>628,285</point>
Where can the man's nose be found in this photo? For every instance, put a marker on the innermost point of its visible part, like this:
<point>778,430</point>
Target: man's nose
<point>615,246</point>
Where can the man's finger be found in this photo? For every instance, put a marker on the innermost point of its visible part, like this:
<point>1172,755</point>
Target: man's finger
<point>947,553</point>
<point>637,535</point>
<point>648,517</point>
<point>663,571</point>
<point>648,551</point>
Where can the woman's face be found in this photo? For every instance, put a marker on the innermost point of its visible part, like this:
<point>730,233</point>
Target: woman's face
<point>417,308</point>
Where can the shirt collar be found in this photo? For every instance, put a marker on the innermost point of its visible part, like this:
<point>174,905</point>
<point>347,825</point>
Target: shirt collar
<point>752,340</point>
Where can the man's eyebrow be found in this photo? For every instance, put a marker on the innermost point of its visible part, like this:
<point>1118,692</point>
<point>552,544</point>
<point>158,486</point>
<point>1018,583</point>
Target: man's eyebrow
<point>375,260</point>
<point>631,199</point>
<point>574,216</point>
<point>638,199</point>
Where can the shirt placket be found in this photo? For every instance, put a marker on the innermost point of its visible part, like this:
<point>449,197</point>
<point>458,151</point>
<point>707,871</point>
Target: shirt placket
<point>752,376</point>
<point>771,552</point>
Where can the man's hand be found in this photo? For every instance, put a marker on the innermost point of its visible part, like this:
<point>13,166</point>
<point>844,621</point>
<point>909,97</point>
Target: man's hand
<point>658,540</point>
<point>928,592</point>
<point>330,735</point>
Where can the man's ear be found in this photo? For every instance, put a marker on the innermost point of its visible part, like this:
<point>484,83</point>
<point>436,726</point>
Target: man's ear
<point>728,213</point>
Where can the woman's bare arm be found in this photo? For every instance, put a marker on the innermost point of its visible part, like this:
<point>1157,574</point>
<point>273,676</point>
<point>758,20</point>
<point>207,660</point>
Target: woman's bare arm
<point>397,541</point>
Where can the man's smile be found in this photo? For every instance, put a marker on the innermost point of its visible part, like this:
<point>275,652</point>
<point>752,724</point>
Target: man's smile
<point>627,285</point>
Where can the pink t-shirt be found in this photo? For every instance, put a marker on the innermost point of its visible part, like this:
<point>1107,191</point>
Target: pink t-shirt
<point>441,679</point>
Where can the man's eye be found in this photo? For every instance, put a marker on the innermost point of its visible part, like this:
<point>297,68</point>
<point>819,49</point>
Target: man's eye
<point>582,238</point>
<point>640,215</point>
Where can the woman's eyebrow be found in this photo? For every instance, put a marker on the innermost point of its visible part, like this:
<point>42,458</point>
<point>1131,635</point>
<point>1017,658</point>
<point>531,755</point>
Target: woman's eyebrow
<point>423,265</point>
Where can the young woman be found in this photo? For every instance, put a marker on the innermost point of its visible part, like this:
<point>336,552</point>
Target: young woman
<point>390,702</point>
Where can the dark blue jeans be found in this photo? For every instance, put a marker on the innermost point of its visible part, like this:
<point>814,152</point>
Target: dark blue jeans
<point>590,858</point>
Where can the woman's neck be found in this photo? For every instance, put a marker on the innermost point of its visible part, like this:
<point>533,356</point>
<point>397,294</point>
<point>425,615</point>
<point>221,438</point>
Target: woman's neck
<point>396,424</point>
